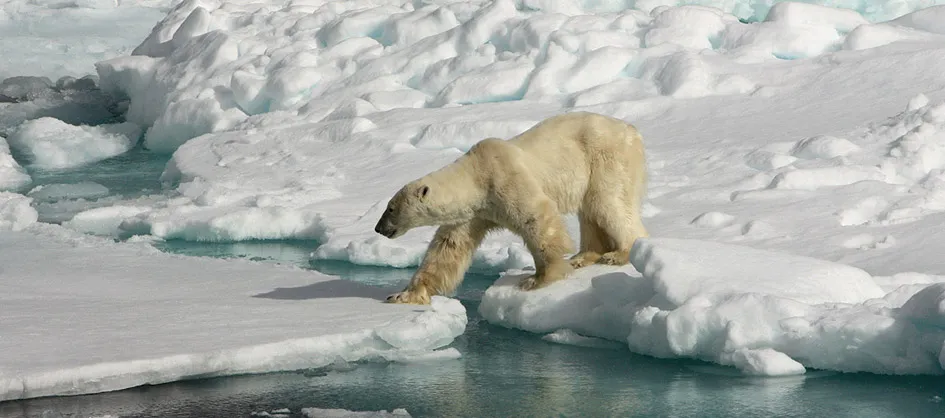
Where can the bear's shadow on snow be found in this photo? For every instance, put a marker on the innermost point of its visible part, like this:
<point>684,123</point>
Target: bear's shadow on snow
<point>330,289</point>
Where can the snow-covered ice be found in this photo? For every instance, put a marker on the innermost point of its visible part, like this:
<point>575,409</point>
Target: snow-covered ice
<point>766,313</point>
<point>106,316</point>
<point>308,140</point>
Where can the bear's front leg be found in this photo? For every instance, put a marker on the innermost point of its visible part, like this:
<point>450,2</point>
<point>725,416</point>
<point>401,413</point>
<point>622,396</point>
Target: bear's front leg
<point>448,256</point>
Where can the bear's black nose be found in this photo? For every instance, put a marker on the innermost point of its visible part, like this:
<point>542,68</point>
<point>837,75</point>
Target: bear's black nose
<point>377,229</point>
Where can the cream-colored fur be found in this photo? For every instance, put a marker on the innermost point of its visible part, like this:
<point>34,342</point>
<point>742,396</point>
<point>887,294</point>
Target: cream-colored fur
<point>579,162</point>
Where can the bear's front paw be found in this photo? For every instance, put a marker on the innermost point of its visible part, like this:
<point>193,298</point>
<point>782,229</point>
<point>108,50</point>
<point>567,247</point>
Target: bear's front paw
<point>415,298</point>
<point>615,258</point>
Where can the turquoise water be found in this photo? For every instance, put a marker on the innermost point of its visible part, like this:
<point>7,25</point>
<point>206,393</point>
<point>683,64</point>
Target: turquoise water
<point>135,173</point>
<point>503,372</point>
<point>131,175</point>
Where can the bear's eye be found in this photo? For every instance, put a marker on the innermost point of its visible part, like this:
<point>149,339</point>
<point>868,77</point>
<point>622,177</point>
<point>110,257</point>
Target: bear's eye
<point>390,210</point>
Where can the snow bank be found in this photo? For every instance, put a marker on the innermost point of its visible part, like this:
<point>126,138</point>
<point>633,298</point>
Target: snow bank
<point>12,175</point>
<point>765,313</point>
<point>53,144</point>
<point>186,317</point>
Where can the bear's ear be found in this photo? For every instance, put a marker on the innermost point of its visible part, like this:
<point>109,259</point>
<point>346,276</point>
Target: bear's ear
<point>422,192</point>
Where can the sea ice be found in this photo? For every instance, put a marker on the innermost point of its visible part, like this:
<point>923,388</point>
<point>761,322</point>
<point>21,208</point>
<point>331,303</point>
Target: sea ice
<point>766,313</point>
<point>181,317</point>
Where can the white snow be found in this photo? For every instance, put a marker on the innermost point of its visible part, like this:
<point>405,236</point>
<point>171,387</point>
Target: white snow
<point>763,312</point>
<point>811,131</point>
<point>51,143</point>
<point>106,316</point>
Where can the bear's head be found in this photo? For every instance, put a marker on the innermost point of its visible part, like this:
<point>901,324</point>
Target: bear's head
<point>405,211</point>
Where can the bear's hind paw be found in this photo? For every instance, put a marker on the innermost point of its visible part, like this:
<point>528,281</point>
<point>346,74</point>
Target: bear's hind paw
<point>553,273</point>
<point>583,259</point>
<point>409,297</point>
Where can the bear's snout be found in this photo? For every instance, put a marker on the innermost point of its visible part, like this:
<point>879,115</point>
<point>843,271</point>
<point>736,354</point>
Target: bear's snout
<point>383,227</point>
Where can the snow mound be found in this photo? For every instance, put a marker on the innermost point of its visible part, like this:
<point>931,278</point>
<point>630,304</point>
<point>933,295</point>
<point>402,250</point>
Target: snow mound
<point>683,269</point>
<point>12,175</point>
<point>16,213</point>
<point>823,146</point>
<point>763,312</point>
<point>262,318</point>
<point>53,144</point>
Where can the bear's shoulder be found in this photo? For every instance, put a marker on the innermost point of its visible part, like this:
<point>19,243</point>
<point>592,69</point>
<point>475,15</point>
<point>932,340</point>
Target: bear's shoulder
<point>491,147</point>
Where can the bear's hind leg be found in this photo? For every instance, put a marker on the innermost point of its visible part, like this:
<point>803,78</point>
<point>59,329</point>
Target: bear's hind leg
<point>617,223</point>
<point>445,262</point>
<point>591,245</point>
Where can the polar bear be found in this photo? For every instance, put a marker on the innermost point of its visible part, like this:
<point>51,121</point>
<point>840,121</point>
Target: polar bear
<point>577,162</point>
